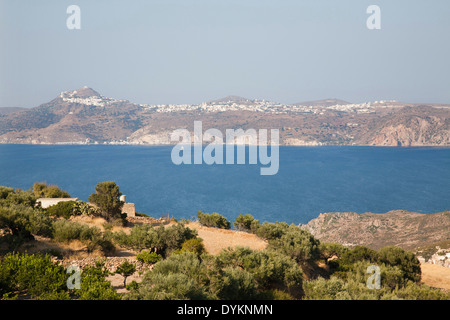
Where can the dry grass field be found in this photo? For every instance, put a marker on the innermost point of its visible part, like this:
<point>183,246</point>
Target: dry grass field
<point>435,276</point>
<point>217,239</point>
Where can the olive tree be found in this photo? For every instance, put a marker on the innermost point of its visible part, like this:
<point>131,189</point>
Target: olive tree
<point>126,269</point>
<point>107,199</point>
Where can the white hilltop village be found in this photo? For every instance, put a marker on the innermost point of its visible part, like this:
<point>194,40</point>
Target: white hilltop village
<point>230,105</point>
<point>94,100</point>
<point>89,97</point>
<point>266,107</point>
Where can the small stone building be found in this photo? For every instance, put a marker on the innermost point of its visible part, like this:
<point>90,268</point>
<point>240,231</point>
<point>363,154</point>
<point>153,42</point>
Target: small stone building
<point>128,208</point>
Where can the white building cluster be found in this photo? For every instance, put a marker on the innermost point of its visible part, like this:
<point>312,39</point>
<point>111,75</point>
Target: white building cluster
<point>98,101</point>
<point>232,105</point>
<point>258,106</point>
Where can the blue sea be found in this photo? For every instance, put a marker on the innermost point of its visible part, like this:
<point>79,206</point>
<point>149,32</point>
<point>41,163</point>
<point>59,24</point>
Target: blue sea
<point>310,180</point>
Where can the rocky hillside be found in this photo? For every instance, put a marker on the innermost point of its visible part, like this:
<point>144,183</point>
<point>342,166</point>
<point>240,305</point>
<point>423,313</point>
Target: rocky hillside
<point>85,116</point>
<point>77,116</point>
<point>405,229</point>
<point>409,127</point>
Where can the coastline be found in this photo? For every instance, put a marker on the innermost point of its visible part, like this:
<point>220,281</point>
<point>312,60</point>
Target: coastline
<point>206,144</point>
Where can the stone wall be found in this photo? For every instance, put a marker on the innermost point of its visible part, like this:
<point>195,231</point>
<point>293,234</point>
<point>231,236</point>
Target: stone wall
<point>110,263</point>
<point>129,209</point>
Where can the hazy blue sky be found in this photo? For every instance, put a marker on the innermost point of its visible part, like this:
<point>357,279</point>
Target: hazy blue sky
<point>189,51</point>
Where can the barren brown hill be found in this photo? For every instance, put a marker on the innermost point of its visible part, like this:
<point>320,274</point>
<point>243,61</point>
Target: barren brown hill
<point>408,230</point>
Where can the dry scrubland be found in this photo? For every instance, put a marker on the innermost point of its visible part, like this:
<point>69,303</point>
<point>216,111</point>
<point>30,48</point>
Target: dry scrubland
<point>405,229</point>
<point>215,240</point>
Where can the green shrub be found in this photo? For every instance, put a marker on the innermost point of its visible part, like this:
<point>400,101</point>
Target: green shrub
<point>17,197</point>
<point>181,276</point>
<point>298,244</point>
<point>391,256</point>
<point>20,222</point>
<point>348,258</point>
<point>161,240</point>
<point>235,284</point>
<point>36,275</point>
<point>194,245</point>
<point>360,253</point>
<point>148,257</point>
<point>246,223</point>
<point>187,263</point>
<point>415,291</point>
<point>390,276</point>
<point>213,220</point>
<point>94,285</point>
<point>5,191</point>
<point>270,269</point>
<point>399,270</point>
<point>66,231</point>
<point>270,231</point>
<point>353,289</point>
<point>42,190</point>
<point>64,209</point>
<point>132,286</point>
<point>174,236</point>
<point>84,208</point>
<point>338,289</point>
<point>321,289</point>
<point>174,286</point>
<point>92,237</point>
<point>276,294</point>
<point>406,261</point>
<point>186,276</point>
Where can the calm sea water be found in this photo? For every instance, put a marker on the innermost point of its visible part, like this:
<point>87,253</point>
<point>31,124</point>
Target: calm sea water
<point>310,180</point>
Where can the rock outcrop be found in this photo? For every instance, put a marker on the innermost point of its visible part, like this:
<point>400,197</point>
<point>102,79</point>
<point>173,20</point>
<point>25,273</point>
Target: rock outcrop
<point>408,230</point>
